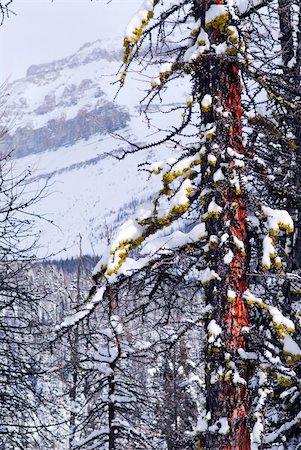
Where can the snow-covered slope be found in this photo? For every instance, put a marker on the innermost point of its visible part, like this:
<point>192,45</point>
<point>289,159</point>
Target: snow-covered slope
<point>61,117</point>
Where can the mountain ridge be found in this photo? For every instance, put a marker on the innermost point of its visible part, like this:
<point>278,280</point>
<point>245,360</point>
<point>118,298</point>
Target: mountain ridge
<point>65,118</point>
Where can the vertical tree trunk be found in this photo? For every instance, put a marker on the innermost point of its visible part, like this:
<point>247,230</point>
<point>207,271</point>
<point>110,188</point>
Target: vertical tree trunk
<point>111,410</point>
<point>113,435</point>
<point>286,32</point>
<point>74,383</point>
<point>290,50</point>
<point>236,313</point>
<point>227,398</point>
<point>74,346</point>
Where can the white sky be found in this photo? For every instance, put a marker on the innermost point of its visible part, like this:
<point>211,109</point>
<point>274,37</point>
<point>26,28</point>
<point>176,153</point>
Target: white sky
<point>44,30</point>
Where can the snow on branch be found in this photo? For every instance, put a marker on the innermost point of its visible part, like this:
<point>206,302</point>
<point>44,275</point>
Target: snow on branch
<point>135,28</point>
<point>246,6</point>
<point>88,307</point>
<point>278,219</point>
<point>283,326</point>
<point>118,264</point>
<point>271,437</point>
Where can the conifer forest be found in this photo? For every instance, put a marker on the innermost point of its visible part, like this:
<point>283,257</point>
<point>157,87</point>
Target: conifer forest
<point>184,331</point>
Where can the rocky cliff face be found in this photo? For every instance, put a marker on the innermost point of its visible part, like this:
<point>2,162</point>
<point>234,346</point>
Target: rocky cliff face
<point>60,132</point>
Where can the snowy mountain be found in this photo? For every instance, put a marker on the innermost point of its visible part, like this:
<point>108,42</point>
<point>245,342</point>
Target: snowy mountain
<point>61,117</point>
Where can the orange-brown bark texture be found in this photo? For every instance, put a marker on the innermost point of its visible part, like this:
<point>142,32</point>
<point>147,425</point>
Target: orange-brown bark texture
<point>237,316</point>
<point>232,401</point>
<point>236,398</point>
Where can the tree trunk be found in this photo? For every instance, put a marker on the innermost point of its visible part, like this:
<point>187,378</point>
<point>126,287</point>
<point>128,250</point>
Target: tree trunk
<point>227,397</point>
<point>292,78</point>
<point>113,429</point>
<point>111,410</point>
<point>286,32</point>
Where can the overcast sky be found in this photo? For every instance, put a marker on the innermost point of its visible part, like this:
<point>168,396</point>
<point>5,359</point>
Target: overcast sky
<point>44,30</point>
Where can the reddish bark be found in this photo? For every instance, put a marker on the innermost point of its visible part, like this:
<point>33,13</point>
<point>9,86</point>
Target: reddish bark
<point>232,82</point>
<point>236,317</point>
<point>221,78</point>
<point>233,400</point>
<point>236,313</point>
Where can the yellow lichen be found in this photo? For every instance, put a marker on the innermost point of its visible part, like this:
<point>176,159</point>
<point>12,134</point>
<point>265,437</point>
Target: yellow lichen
<point>210,134</point>
<point>156,171</point>
<point>154,84</point>
<point>136,35</point>
<point>281,226</point>
<point>228,375</point>
<point>166,191</point>
<point>123,249</point>
<point>208,215</point>
<point>258,302</point>
<point>211,160</point>
<point>101,272</point>
<point>292,144</point>
<point>194,32</point>
<point>233,40</point>
<point>291,358</point>
<point>231,51</point>
<point>214,349</point>
<point>282,330</point>
<point>144,222</point>
<point>219,23</point>
<point>123,77</point>
<point>286,226</point>
<point>169,177</point>
<point>277,262</point>
<point>283,381</point>
<point>179,209</point>
<point>164,220</point>
<point>199,446</point>
<point>296,291</point>
<point>164,75</point>
<point>206,108</point>
<point>127,54</point>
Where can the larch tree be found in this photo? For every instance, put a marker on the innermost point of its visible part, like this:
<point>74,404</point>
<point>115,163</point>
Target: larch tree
<point>210,269</point>
<point>219,184</point>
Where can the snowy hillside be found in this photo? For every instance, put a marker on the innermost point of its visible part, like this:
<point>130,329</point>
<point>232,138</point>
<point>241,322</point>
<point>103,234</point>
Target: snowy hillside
<point>62,116</point>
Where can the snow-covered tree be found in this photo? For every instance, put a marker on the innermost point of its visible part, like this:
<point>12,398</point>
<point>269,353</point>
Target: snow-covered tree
<point>21,337</point>
<point>234,235</point>
<point>107,403</point>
